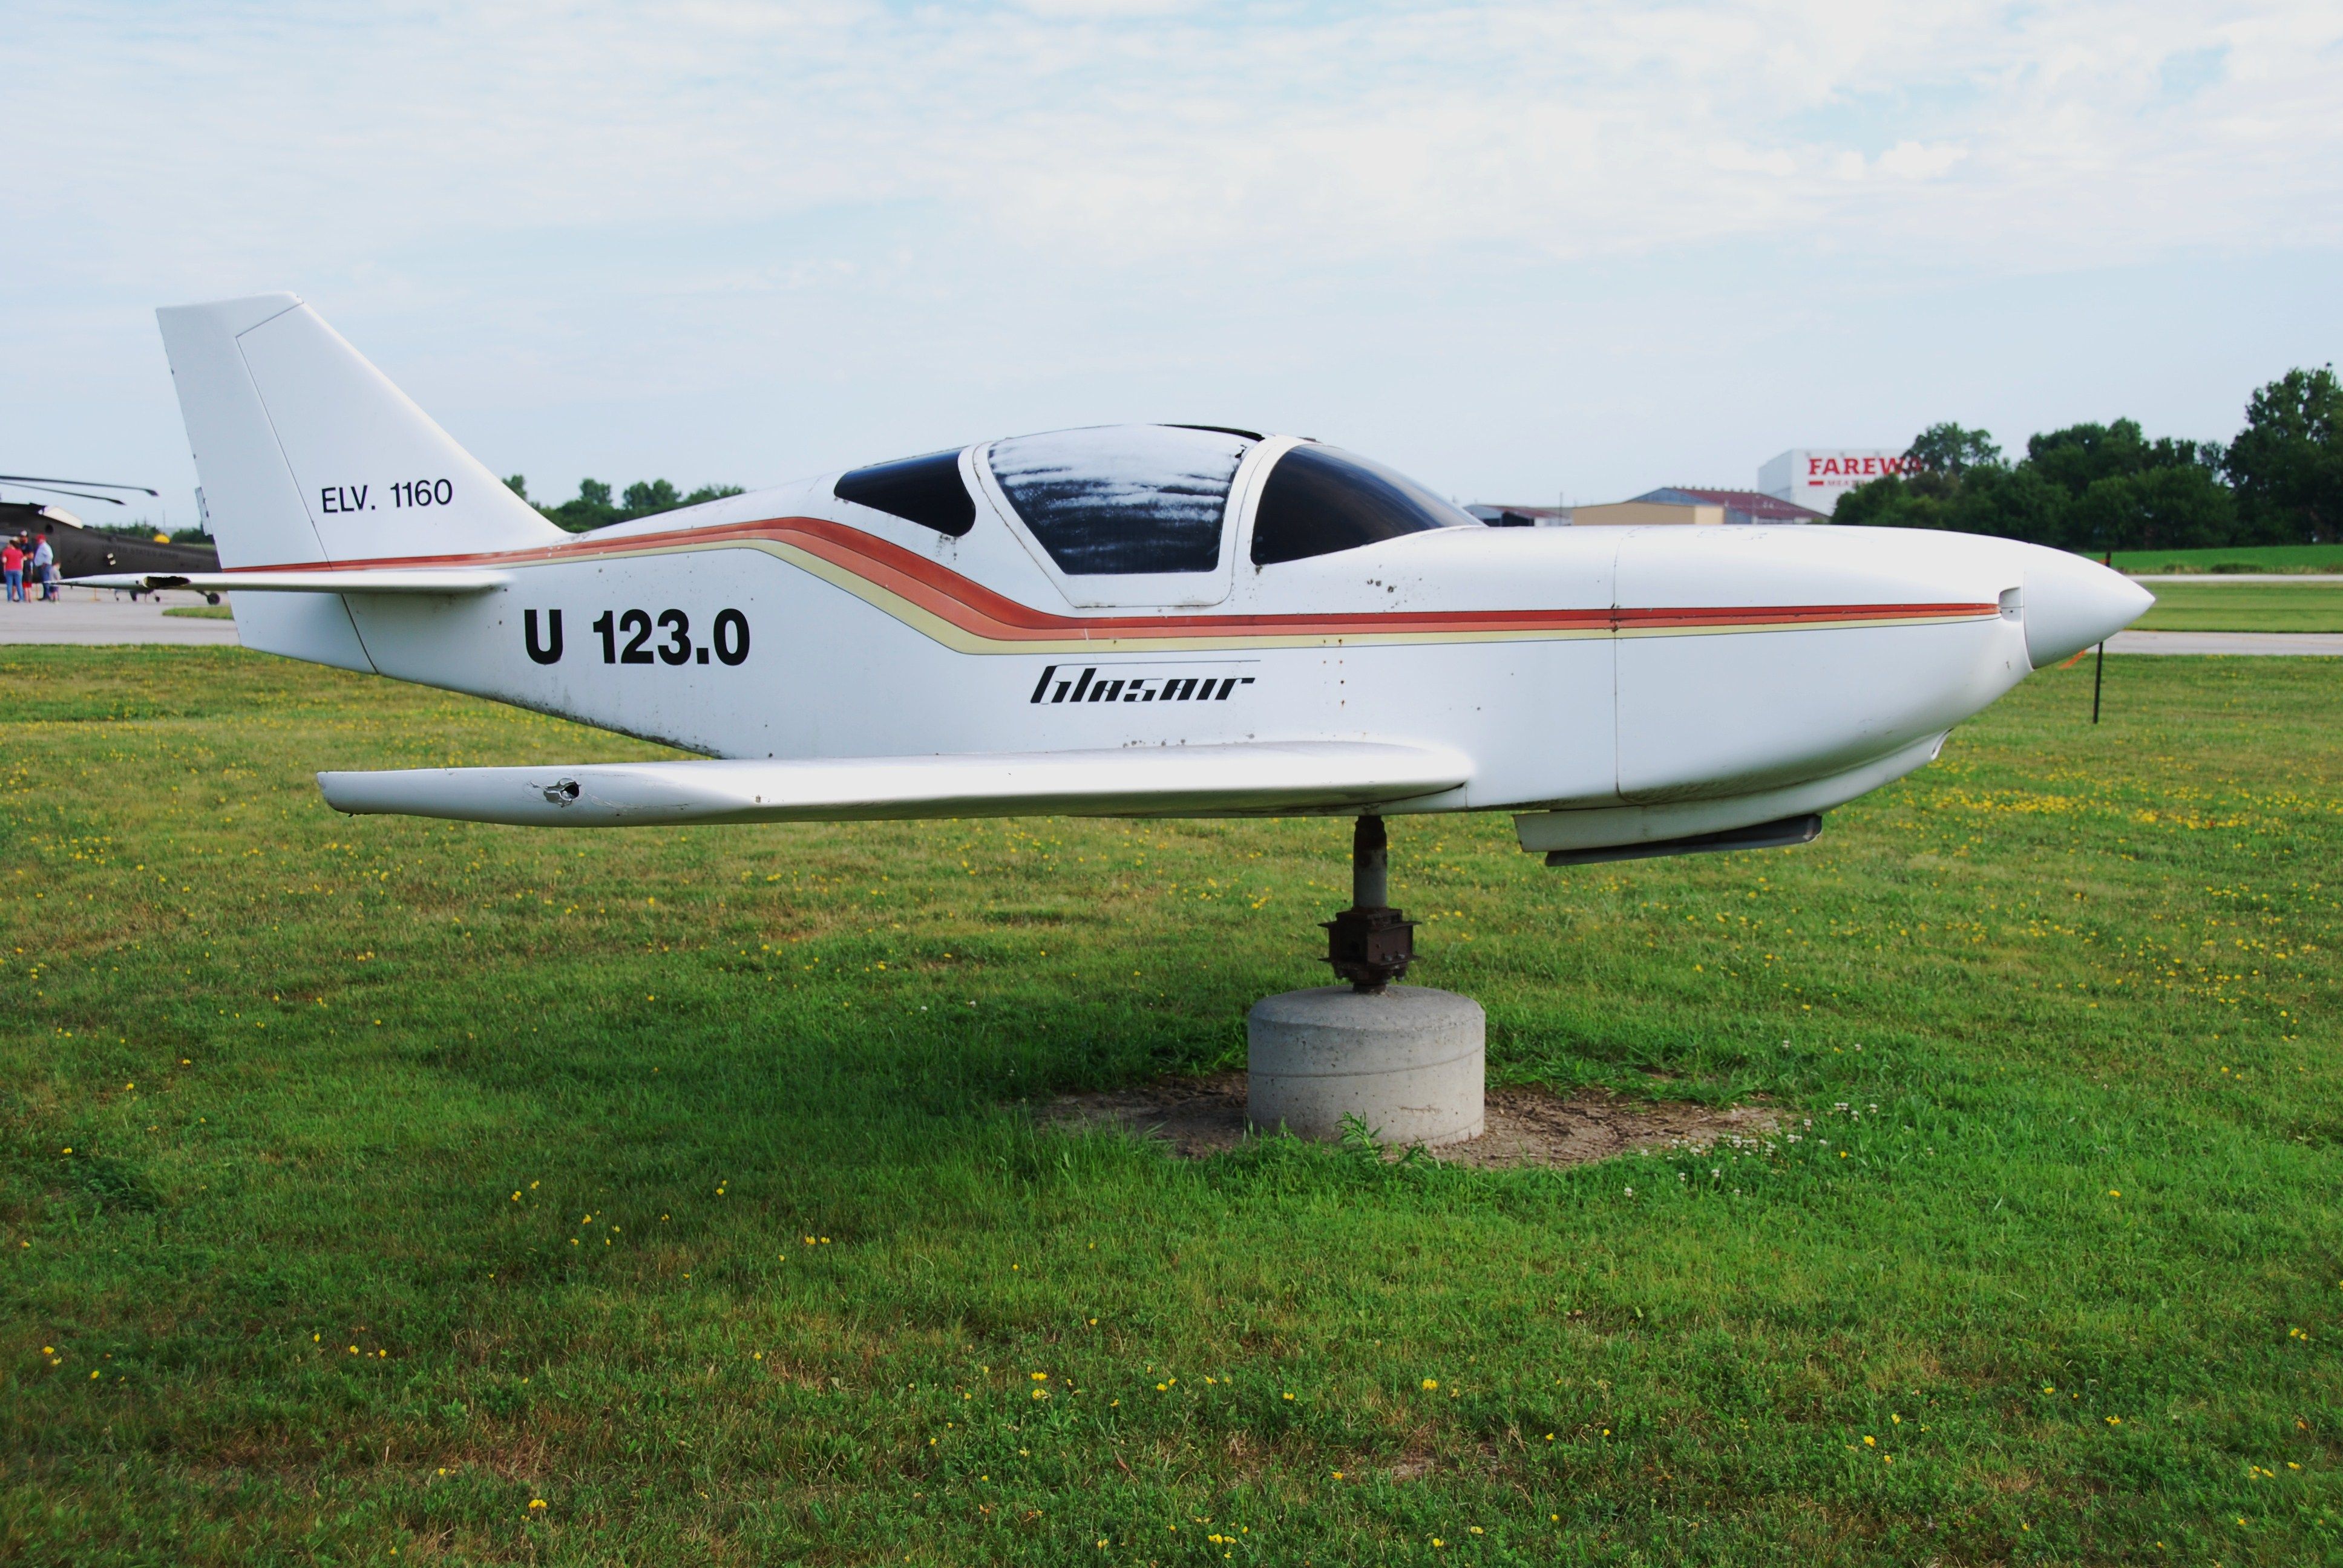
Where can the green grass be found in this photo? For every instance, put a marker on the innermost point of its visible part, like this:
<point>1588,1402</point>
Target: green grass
<point>2241,558</point>
<point>2217,605</point>
<point>678,1179</point>
<point>202,611</point>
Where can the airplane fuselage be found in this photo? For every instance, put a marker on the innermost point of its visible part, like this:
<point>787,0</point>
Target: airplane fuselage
<point>1134,619</point>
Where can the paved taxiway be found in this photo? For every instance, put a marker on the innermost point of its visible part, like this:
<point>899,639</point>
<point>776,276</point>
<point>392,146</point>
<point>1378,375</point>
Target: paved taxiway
<point>88,615</point>
<point>2328,643</point>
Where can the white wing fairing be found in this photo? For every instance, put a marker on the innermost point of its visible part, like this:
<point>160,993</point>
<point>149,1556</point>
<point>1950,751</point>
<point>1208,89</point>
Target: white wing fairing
<point>1198,780</point>
<point>1154,620</point>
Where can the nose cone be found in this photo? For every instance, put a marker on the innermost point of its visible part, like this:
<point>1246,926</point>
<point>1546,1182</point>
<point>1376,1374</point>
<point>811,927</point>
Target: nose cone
<point>2071,602</point>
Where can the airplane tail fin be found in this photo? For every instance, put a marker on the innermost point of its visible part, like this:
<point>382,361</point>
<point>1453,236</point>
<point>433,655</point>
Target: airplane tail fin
<point>306,453</point>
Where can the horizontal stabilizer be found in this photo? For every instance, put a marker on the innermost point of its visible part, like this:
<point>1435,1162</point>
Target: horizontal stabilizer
<point>361,579</point>
<point>1255,779</point>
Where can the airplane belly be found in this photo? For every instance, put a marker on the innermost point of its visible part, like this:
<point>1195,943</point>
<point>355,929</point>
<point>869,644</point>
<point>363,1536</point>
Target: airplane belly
<point>1754,656</point>
<point>1721,714</point>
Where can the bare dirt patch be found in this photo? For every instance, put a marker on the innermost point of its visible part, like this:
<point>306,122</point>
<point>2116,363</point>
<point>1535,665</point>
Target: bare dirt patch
<point>1198,1117</point>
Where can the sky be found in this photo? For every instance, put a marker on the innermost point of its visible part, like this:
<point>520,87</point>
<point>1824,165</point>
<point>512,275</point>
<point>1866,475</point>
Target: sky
<point>1524,252</point>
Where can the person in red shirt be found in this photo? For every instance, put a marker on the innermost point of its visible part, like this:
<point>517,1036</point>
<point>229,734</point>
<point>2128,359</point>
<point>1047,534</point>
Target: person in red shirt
<point>12,561</point>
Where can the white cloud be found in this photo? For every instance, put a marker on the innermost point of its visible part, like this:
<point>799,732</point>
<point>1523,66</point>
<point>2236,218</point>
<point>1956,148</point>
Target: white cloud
<point>1155,185</point>
<point>1111,131</point>
<point>1917,161</point>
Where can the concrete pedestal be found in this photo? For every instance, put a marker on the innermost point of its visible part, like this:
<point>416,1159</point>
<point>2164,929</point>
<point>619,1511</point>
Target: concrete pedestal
<point>1409,1061</point>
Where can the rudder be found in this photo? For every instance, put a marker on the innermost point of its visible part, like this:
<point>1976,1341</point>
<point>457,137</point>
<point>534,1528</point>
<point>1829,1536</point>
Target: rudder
<point>307,453</point>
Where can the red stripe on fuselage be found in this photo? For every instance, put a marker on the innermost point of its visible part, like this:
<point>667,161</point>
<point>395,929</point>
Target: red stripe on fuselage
<point>979,610</point>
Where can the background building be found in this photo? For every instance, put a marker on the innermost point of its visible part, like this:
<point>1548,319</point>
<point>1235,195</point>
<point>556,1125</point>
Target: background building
<point>1816,478</point>
<point>1670,504</point>
<point>1521,517</point>
<point>1735,506</point>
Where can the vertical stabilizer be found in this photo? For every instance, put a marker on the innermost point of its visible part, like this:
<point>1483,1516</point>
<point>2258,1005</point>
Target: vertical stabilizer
<point>250,506</point>
<point>306,453</point>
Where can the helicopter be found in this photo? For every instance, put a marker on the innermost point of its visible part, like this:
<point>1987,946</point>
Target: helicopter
<point>83,551</point>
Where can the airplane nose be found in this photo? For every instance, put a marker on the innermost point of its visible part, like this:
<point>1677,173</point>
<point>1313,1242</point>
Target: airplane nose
<point>2071,602</point>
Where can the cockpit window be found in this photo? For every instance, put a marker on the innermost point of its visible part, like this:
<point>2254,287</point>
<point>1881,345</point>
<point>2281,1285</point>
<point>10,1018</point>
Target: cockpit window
<point>1122,500</point>
<point>923,491</point>
<point>1320,500</point>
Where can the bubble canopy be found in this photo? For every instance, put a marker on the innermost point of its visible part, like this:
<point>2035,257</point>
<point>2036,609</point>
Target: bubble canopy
<point>1122,500</point>
<point>1321,500</point>
<point>1144,500</point>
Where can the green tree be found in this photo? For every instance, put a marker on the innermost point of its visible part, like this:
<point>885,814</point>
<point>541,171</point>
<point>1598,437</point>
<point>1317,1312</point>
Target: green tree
<point>1943,458</point>
<point>1948,449</point>
<point>2288,462</point>
<point>2091,487</point>
<point>594,507</point>
<point>2012,503</point>
<point>2180,507</point>
<point>645,497</point>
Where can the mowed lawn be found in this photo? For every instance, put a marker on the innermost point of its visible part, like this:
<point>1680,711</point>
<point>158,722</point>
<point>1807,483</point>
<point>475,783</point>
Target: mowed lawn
<point>2313,604</point>
<point>667,1197</point>
<point>2235,559</point>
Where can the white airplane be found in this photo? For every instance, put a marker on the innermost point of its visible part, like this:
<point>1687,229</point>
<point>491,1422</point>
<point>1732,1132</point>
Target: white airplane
<point>1129,620</point>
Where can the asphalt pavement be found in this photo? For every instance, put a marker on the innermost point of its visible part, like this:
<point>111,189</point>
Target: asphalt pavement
<point>96,615</point>
<point>2316,643</point>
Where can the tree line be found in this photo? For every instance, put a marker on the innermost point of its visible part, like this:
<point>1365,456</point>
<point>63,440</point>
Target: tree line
<point>2099,488</point>
<point>594,507</point>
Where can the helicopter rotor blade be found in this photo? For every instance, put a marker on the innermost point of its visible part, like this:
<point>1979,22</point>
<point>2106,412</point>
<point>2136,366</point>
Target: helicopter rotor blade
<point>36,482</point>
<point>61,491</point>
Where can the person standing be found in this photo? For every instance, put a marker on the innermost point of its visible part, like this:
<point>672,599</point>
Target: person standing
<point>12,561</point>
<point>45,568</point>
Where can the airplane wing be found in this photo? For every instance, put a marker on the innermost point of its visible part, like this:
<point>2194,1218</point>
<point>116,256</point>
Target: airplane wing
<point>1251,779</point>
<point>355,579</point>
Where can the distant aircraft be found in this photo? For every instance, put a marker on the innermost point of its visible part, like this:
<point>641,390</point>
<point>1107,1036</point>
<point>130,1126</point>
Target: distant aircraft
<point>83,551</point>
<point>1130,620</point>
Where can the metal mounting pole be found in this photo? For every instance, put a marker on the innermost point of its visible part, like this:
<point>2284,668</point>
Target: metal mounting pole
<point>1370,865</point>
<point>2099,665</point>
<point>1370,944</point>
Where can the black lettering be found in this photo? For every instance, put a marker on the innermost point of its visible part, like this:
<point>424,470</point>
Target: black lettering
<point>701,655</point>
<point>731,635</point>
<point>1064,687</point>
<point>1179,691</point>
<point>551,652</point>
<point>326,497</point>
<point>1226,687</point>
<point>608,627</point>
<point>1042,686</point>
<point>1139,692</point>
<point>676,650</point>
<point>1082,685</point>
<point>357,503</point>
<point>639,623</point>
<point>1106,691</point>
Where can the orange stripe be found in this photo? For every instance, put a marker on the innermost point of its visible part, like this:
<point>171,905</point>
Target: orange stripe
<point>981,612</point>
